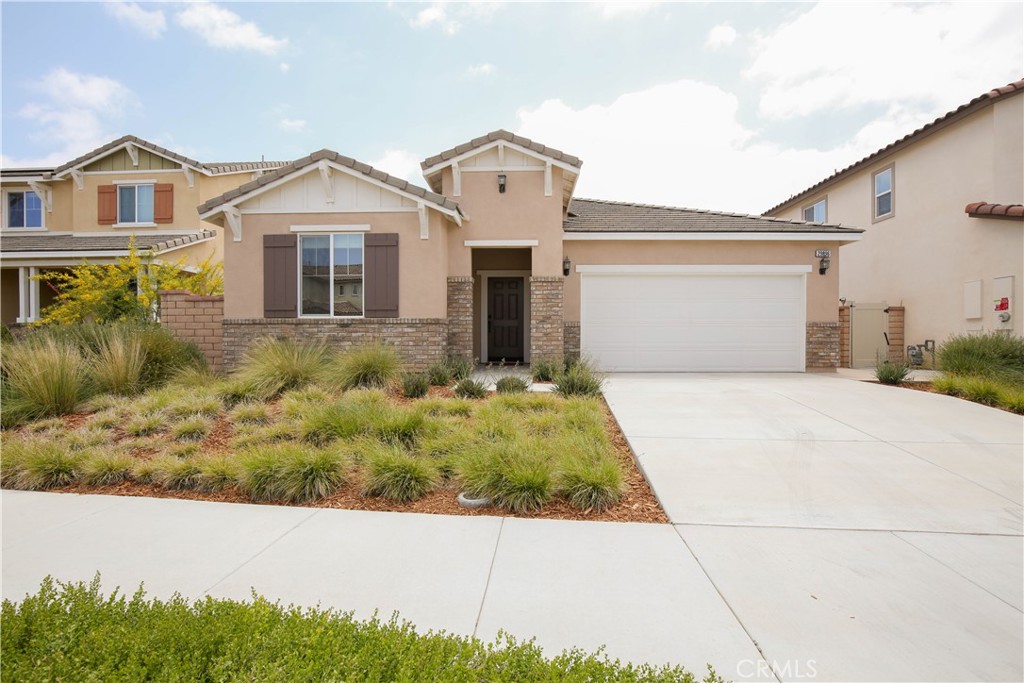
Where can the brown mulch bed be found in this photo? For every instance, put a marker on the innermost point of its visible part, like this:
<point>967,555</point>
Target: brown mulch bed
<point>638,503</point>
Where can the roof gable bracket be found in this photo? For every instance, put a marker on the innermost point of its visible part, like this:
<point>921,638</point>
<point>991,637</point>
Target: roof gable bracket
<point>501,153</point>
<point>234,218</point>
<point>189,175</point>
<point>456,180</point>
<point>133,152</point>
<point>421,209</point>
<point>44,193</point>
<point>547,179</point>
<point>79,178</point>
<point>325,178</point>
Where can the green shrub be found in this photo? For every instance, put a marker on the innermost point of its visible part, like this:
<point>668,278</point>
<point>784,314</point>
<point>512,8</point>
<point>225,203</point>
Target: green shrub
<point>272,366</point>
<point>194,428</point>
<point>580,379</point>
<point>144,425</point>
<point>544,369</point>
<point>591,483</point>
<point>73,632</point>
<point>415,385</point>
<point>393,473</point>
<point>888,372</point>
<point>980,390</point>
<point>460,367</point>
<point>992,354</point>
<point>440,374</point>
<point>44,377</point>
<point>172,473</point>
<point>250,413</point>
<point>117,366</point>
<point>511,385</point>
<point>375,366</point>
<point>41,465</point>
<point>470,388</point>
<point>105,468</point>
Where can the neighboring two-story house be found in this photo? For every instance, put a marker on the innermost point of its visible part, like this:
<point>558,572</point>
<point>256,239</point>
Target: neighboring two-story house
<point>498,260</point>
<point>90,208</point>
<point>944,225</point>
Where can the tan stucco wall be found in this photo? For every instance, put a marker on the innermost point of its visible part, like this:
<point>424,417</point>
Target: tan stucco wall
<point>822,290</point>
<point>922,256</point>
<point>422,264</point>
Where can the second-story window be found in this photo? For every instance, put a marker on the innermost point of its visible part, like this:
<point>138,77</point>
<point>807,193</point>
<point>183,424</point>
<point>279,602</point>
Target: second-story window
<point>24,210</point>
<point>135,204</point>
<point>883,193</point>
<point>815,213</point>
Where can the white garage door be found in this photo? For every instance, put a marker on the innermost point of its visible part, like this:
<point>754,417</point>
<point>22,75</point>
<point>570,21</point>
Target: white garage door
<point>693,319</point>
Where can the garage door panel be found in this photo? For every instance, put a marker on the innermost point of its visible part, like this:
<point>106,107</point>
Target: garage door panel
<point>693,322</point>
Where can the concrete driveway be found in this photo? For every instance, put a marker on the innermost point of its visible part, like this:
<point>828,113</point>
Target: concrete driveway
<point>857,532</point>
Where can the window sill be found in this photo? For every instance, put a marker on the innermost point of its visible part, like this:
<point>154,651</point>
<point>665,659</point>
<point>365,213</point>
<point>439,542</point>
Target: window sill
<point>133,225</point>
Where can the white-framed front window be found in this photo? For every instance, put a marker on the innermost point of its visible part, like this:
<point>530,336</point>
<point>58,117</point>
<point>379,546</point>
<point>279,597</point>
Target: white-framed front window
<point>134,204</point>
<point>816,212</point>
<point>331,275</point>
<point>882,189</point>
<point>23,209</point>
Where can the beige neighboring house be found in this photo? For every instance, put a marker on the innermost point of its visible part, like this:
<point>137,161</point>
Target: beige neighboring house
<point>944,225</point>
<point>90,208</point>
<point>496,259</point>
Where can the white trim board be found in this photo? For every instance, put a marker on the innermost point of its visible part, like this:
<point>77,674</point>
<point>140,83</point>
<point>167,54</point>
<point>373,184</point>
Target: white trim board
<point>485,275</point>
<point>670,269</point>
<point>329,228</point>
<point>501,243</point>
<point>427,172</point>
<point>713,236</point>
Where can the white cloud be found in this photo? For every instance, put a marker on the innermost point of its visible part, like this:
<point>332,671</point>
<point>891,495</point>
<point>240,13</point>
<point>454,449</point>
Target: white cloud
<point>721,36</point>
<point>681,144</point>
<point>150,23</point>
<point>479,71</point>
<point>292,125</point>
<point>934,56</point>
<point>73,116</point>
<point>222,28</point>
<point>615,10</point>
<point>400,163</point>
<point>451,16</point>
<point>284,67</point>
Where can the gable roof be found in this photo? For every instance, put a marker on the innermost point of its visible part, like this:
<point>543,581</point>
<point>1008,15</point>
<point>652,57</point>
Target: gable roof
<point>329,155</point>
<point>209,169</point>
<point>984,100</point>
<point>494,136</point>
<point>597,215</point>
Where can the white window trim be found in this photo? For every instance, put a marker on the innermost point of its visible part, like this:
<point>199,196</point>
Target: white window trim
<point>745,269</point>
<point>134,225</point>
<point>142,181</point>
<point>136,184</point>
<point>340,229</point>
<point>501,243</point>
<point>486,275</point>
<point>330,303</point>
<point>875,217</point>
<point>5,219</point>
<point>824,202</point>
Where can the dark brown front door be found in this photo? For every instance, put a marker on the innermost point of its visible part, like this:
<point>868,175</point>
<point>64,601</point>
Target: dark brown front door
<point>505,318</point>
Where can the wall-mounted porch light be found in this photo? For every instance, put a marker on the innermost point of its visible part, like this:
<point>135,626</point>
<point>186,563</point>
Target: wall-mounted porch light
<point>502,179</point>
<point>566,266</point>
<point>824,264</point>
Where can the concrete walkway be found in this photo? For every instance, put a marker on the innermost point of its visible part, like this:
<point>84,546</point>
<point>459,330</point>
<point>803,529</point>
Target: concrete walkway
<point>822,529</point>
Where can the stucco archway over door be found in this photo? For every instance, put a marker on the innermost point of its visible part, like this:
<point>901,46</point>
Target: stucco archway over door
<point>694,318</point>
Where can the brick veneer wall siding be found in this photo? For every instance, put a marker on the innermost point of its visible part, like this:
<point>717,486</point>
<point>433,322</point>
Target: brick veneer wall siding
<point>844,336</point>
<point>822,351</point>
<point>547,328</point>
<point>197,319</point>
<point>460,317</point>
<point>572,339</point>
<point>896,336</point>
<point>419,341</point>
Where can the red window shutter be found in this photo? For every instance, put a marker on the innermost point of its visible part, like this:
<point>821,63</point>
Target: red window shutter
<point>107,205</point>
<point>280,276</point>
<point>380,278</point>
<point>163,203</point>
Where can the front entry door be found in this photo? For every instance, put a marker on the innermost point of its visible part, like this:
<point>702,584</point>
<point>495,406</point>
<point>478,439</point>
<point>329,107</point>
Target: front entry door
<point>505,318</point>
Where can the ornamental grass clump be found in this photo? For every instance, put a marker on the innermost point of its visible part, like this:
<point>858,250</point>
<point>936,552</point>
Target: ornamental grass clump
<point>250,413</point>
<point>196,404</point>
<point>104,468</point>
<point>591,484</point>
<point>511,385</point>
<point>216,472</point>
<point>40,465</point>
<point>292,473</point>
<point>144,425</point>
<point>440,374</point>
<point>395,474</point>
<point>544,369</point>
<point>117,366</point>
<point>580,379</point>
<point>460,367</point>
<point>515,475</point>
<point>888,372</point>
<point>991,354</point>
<point>44,377</point>
<point>193,428</point>
<point>339,420</point>
<point>174,473</point>
<point>415,385</point>
<point>399,427</point>
<point>374,366</point>
<point>273,366</point>
<point>470,388</point>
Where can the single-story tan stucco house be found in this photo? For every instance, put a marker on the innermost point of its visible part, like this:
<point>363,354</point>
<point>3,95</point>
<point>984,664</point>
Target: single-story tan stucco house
<point>498,260</point>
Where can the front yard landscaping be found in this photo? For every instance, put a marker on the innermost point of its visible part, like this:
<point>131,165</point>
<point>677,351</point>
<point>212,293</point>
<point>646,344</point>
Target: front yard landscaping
<point>299,424</point>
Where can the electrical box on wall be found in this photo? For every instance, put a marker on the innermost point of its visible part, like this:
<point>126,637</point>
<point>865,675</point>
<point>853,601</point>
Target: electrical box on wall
<point>1002,303</point>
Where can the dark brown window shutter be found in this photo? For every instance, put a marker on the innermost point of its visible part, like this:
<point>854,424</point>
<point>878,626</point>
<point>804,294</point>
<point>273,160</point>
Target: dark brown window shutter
<point>107,203</point>
<point>280,276</point>
<point>380,279</point>
<point>163,203</point>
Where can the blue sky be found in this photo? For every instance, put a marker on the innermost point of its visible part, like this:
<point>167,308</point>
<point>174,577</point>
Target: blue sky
<point>722,106</point>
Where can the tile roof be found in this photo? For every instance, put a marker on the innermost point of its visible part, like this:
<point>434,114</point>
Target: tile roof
<point>83,241</point>
<point>986,99</point>
<point>22,172</point>
<point>339,159</point>
<point>507,137</point>
<point>595,215</point>
<point>240,166</point>
<point>987,210</point>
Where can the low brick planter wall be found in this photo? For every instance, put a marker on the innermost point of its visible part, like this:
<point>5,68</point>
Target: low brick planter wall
<point>547,329</point>
<point>460,317</point>
<point>572,339</point>
<point>419,341</point>
<point>822,354</point>
<point>197,319</point>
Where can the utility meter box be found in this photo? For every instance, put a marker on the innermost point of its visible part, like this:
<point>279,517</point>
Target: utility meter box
<point>1002,303</point>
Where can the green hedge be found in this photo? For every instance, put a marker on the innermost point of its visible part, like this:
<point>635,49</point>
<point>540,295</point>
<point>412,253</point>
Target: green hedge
<point>71,632</point>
